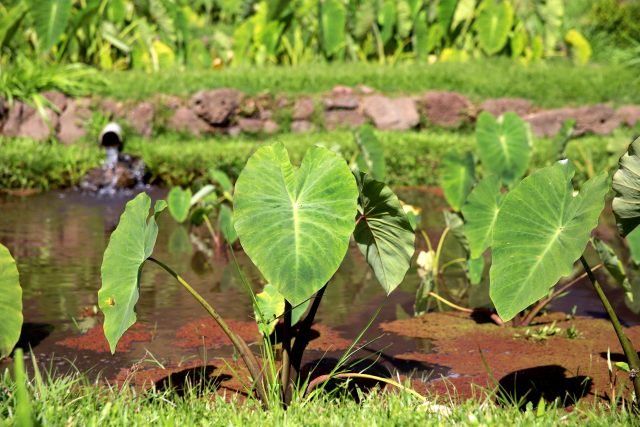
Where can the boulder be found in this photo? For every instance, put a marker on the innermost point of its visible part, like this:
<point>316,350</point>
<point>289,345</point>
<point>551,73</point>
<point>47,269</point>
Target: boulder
<point>4,112</point>
<point>391,114</point>
<point>599,119</point>
<point>447,109</point>
<point>303,109</point>
<point>185,120</point>
<point>141,118</point>
<point>248,125</point>
<point>334,119</point>
<point>72,122</point>
<point>216,106</point>
<point>111,108</point>
<point>58,99</point>
<point>547,123</point>
<point>24,121</point>
<point>341,102</point>
<point>629,115</point>
<point>302,126</point>
<point>270,127</point>
<point>499,106</point>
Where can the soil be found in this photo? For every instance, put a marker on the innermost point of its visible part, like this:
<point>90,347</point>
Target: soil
<point>525,367</point>
<point>206,332</point>
<point>94,339</point>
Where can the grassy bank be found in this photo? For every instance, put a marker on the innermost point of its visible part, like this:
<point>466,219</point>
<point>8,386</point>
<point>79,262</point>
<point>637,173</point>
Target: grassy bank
<point>412,157</point>
<point>548,84</point>
<point>74,401</point>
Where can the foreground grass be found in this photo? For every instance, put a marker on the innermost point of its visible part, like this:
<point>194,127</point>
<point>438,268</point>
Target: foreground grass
<point>73,400</point>
<point>547,84</point>
<point>412,157</point>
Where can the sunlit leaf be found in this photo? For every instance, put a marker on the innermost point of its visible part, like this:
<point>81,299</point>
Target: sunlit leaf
<point>179,201</point>
<point>504,145</point>
<point>271,308</point>
<point>541,230</point>
<point>475,268</point>
<point>493,25</point>
<point>222,180</point>
<point>10,303</point>
<point>295,223</point>
<point>130,244</point>
<point>457,175</point>
<point>50,18</point>
<point>480,214</point>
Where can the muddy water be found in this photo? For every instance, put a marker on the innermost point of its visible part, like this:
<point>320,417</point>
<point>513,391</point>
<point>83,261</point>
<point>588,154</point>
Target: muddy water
<point>58,239</point>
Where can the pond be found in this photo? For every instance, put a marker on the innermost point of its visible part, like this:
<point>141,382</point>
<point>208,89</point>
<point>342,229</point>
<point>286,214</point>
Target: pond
<point>58,239</point>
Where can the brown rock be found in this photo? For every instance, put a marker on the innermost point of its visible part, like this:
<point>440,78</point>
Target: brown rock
<point>111,108</point>
<point>270,127</point>
<point>447,109</point>
<point>366,90</point>
<point>391,114</point>
<point>170,102</point>
<point>499,106</point>
<point>302,126</point>
<point>341,102</point>
<point>303,109</point>
<point>73,120</point>
<point>15,117</point>
<point>24,121</point>
<point>343,118</point>
<point>547,123</point>
<point>216,106</point>
<point>599,119</point>
<point>341,90</point>
<point>58,99</point>
<point>252,126</point>
<point>4,112</point>
<point>629,115</point>
<point>141,118</point>
<point>185,120</point>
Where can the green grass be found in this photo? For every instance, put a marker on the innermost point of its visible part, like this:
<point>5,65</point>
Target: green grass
<point>412,157</point>
<point>73,400</point>
<point>547,84</point>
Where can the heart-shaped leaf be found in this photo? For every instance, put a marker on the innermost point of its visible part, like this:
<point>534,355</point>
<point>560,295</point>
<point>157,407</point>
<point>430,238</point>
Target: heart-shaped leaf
<point>10,303</point>
<point>383,232</point>
<point>371,156</point>
<point>480,214</point>
<point>130,244</point>
<point>626,186</point>
<point>457,175</point>
<point>179,201</point>
<point>295,223</point>
<point>504,145</point>
<point>541,230</point>
<point>494,23</point>
<point>222,180</point>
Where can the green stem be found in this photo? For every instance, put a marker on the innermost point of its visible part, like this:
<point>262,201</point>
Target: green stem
<point>241,346</point>
<point>627,347</point>
<point>436,259</point>
<point>323,378</point>
<point>286,351</point>
<point>425,236</point>
<point>450,263</point>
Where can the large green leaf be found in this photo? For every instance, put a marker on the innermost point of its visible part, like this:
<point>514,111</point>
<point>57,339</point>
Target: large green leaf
<point>480,214</point>
<point>50,18</point>
<point>633,241</point>
<point>179,201</point>
<point>10,303</point>
<point>130,244</point>
<point>504,145</point>
<point>457,175</point>
<point>295,223</point>
<point>541,230</point>
<point>387,20</point>
<point>333,20</point>
<point>493,25</point>
<point>383,232</point>
<point>626,186</point>
<point>446,10</point>
<point>10,22</point>
<point>371,156</point>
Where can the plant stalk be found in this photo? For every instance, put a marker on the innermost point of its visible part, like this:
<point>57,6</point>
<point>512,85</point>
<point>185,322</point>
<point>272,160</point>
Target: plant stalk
<point>302,338</point>
<point>627,347</point>
<point>286,352</point>
<point>241,346</point>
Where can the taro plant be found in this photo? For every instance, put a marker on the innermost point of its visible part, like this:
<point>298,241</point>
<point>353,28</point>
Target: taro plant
<point>295,224</point>
<point>207,204</point>
<point>10,303</point>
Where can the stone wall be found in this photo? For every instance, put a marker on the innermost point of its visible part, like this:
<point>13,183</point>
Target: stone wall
<point>231,112</point>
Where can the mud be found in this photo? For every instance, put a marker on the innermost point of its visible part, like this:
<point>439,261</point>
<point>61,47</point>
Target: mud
<point>525,368</point>
<point>205,332</point>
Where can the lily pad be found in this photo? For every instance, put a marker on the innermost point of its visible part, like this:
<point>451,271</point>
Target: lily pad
<point>541,230</point>
<point>295,223</point>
